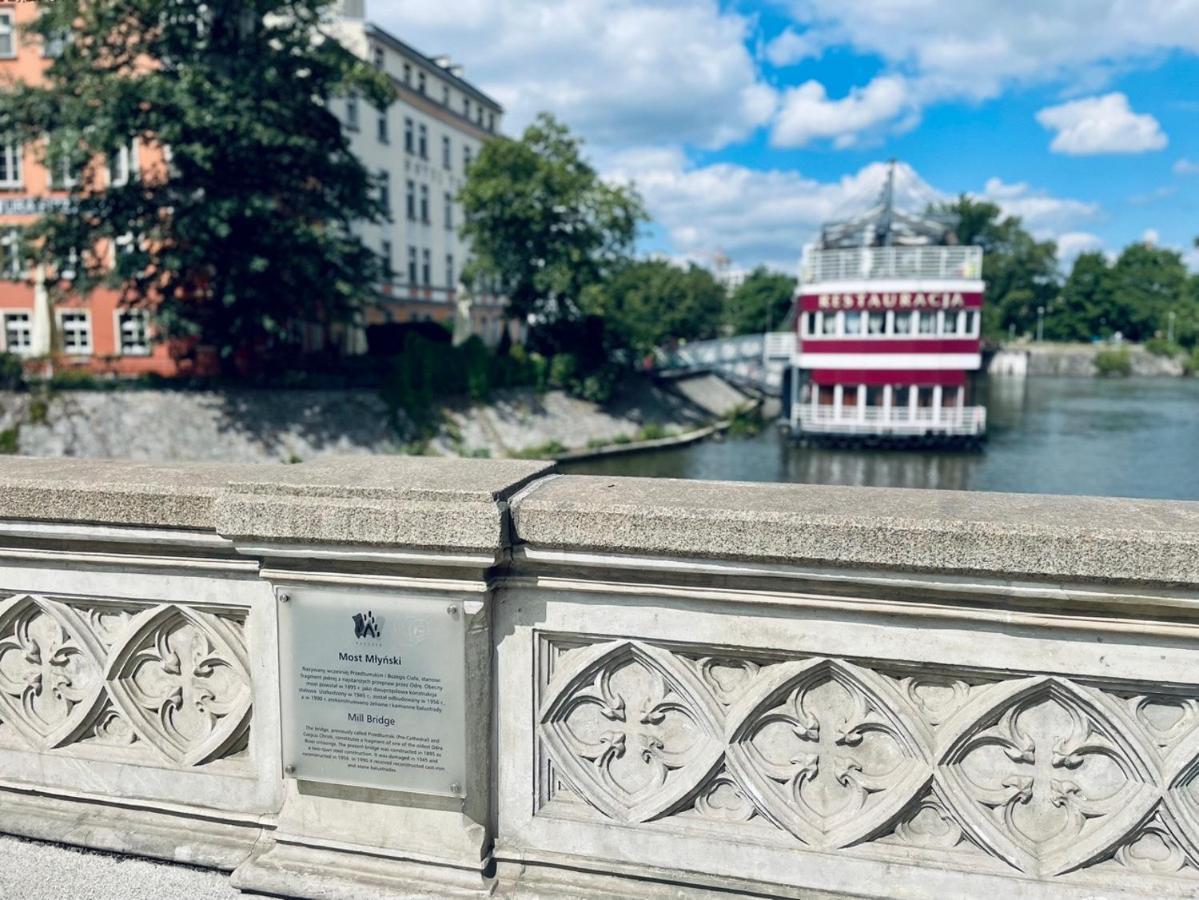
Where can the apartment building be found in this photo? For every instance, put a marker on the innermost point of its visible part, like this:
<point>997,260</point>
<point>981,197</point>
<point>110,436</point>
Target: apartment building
<point>420,148</point>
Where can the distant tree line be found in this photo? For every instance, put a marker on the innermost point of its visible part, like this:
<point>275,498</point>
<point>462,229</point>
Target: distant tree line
<point>1133,295</point>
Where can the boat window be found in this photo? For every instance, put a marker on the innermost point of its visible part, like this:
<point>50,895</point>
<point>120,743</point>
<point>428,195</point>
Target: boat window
<point>971,323</point>
<point>902,396</point>
<point>951,322</point>
<point>874,396</point>
<point>876,323</point>
<point>829,324</point>
<point>853,323</point>
<point>927,322</point>
<point>903,323</point>
<point>810,327</point>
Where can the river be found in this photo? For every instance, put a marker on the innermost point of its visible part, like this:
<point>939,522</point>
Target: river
<point>1132,437</point>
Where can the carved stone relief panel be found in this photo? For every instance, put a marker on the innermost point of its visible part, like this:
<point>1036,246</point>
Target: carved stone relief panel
<point>166,683</point>
<point>1039,774</point>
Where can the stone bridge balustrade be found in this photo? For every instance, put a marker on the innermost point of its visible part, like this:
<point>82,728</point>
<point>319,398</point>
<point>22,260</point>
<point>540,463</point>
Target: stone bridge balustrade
<point>671,688</point>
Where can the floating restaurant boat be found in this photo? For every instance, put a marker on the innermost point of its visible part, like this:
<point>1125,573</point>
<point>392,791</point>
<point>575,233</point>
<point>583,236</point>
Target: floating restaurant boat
<point>888,320</point>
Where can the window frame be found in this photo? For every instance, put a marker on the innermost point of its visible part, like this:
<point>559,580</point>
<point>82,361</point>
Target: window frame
<point>131,349</point>
<point>8,29</point>
<point>86,316</point>
<point>10,314</point>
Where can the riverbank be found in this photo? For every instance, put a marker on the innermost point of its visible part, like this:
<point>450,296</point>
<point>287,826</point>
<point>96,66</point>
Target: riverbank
<point>294,426</point>
<point>1062,360</point>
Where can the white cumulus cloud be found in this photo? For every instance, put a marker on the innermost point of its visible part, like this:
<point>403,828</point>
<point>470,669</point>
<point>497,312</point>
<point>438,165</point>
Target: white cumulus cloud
<point>1105,124</point>
<point>1071,243</point>
<point>808,114</point>
<point>1186,167</point>
<point>619,72</point>
<point>1045,215</point>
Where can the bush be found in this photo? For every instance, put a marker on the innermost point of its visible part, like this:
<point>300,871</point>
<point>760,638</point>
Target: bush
<point>651,432</point>
<point>745,421</point>
<point>1159,346</point>
<point>562,370</point>
<point>12,373</point>
<point>1114,362</point>
<point>10,440</point>
<point>1190,365</point>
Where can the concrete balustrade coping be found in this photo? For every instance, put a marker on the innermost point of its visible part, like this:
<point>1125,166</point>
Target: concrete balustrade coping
<point>457,504</point>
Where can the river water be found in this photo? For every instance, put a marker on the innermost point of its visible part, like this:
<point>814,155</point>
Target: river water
<point>1131,437</point>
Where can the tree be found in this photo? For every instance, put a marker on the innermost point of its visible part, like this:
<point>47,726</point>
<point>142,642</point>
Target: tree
<point>1020,272</point>
<point>542,224</point>
<point>249,227</point>
<point>1147,284</point>
<point>762,302</point>
<point>648,303</point>
<point>1083,310</point>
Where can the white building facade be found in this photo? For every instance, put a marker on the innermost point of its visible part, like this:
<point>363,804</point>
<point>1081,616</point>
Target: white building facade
<point>420,149</point>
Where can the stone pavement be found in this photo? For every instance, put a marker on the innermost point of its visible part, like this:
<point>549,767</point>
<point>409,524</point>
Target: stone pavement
<point>32,870</point>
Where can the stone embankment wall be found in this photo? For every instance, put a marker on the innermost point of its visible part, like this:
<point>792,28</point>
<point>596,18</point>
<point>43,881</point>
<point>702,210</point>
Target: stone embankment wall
<point>665,688</point>
<point>1077,361</point>
<point>294,426</point>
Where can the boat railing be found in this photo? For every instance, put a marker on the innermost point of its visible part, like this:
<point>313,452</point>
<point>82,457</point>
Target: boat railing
<point>956,420</point>
<point>859,263</point>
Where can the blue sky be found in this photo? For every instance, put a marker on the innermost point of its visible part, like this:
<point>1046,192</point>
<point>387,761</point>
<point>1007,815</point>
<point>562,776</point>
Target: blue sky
<point>745,123</point>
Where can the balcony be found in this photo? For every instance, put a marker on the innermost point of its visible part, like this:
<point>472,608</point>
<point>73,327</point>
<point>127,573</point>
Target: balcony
<point>898,421</point>
<point>917,263</point>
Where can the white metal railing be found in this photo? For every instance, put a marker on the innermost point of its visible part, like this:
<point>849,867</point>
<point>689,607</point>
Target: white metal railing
<point>898,420</point>
<point>860,263</point>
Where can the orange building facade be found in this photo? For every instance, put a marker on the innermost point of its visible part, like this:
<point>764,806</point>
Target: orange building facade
<point>421,148</point>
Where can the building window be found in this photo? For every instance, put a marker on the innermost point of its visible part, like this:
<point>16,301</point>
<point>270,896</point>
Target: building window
<point>449,271</point>
<point>420,82</point>
<point>426,267</point>
<point>384,134</point>
<point>491,121</point>
<point>447,152</point>
<point>408,73</point>
<point>75,326</point>
<point>134,332</point>
<point>18,332</point>
<point>410,196</point>
<point>64,169</point>
<point>412,265</point>
<point>424,203</point>
<point>8,36</point>
<point>122,165</point>
<point>445,95</point>
<point>424,142</point>
<point>449,211</point>
<point>55,44</point>
<point>468,157</point>
<point>378,57</point>
<point>466,107</point>
<point>12,263</point>
<point>10,166</point>
<point>352,113</point>
<point>409,136</point>
<point>385,192</point>
<point>385,253</point>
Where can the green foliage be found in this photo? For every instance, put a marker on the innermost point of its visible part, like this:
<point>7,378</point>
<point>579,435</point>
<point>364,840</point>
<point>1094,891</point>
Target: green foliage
<point>248,229</point>
<point>1159,346</point>
<point>1082,309</point>
<point>39,411</point>
<point>548,450</point>
<point>653,431</point>
<point>427,372</point>
<point>1113,361</point>
<point>75,380</point>
<point>10,440</point>
<point>646,303</point>
<point>1021,273</point>
<point>1191,364</point>
<point>1146,284</point>
<point>12,373</point>
<point>542,224</point>
<point>763,302</point>
<point>746,421</point>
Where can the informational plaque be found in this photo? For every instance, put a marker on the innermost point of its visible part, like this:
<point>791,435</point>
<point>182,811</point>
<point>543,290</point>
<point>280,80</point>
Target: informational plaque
<point>373,690</point>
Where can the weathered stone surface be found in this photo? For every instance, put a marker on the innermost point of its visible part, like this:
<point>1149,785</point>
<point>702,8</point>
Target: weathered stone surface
<point>1003,534</point>
<point>112,492</point>
<point>409,501</point>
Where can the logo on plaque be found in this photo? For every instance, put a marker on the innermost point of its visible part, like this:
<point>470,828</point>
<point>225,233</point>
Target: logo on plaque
<point>367,626</point>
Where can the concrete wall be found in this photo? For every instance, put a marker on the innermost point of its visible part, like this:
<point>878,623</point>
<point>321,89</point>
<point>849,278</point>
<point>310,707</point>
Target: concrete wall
<point>673,688</point>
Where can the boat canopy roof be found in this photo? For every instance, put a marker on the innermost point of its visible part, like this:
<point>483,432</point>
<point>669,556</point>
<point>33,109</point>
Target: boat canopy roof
<point>885,226</point>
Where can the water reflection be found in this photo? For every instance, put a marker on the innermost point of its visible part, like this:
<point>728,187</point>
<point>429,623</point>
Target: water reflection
<point>1127,437</point>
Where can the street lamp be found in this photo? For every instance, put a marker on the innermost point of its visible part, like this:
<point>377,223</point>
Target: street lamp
<point>1040,324</point>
